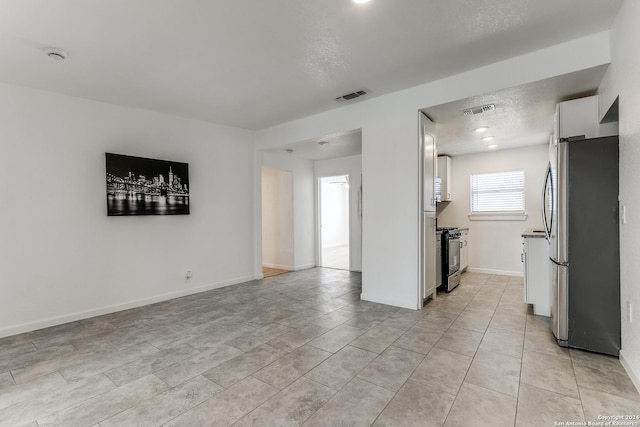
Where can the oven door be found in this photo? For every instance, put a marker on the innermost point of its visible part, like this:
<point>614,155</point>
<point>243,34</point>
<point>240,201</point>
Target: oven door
<point>454,254</point>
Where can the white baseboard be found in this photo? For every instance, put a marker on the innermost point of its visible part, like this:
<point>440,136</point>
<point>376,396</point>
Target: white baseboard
<point>387,301</point>
<point>58,320</point>
<point>303,267</point>
<point>495,272</point>
<point>278,266</point>
<point>635,376</point>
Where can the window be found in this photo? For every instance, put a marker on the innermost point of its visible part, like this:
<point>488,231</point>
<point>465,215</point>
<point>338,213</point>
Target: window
<point>498,193</point>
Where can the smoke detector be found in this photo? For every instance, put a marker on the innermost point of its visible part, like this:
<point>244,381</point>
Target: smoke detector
<point>352,95</point>
<point>478,110</point>
<point>55,53</point>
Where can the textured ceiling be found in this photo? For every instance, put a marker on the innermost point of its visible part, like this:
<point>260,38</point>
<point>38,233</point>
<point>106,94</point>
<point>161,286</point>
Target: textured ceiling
<point>256,63</point>
<point>523,115</point>
<point>327,147</point>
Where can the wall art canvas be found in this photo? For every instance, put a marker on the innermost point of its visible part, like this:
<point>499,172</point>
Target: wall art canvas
<point>141,186</point>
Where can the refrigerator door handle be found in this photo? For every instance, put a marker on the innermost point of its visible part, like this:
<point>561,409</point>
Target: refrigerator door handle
<point>559,264</point>
<point>547,224</point>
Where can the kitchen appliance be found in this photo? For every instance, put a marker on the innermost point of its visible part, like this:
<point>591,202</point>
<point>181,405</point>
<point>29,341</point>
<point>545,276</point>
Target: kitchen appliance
<point>580,216</point>
<point>450,249</point>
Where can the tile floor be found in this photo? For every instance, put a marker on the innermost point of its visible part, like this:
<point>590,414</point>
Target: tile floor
<point>301,348</point>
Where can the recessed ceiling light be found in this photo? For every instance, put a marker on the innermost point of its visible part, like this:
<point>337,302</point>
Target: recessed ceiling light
<point>488,138</point>
<point>323,142</point>
<point>55,53</point>
<point>481,129</point>
<point>289,150</point>
<point>492,146</point>
<point>361,1</point>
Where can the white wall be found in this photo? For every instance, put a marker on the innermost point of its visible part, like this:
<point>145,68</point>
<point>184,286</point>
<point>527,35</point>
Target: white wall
<point>303,205</point>
<point>334,212</point>
<point>62,258</point>
<point>622,80</point>
<point>390,155</point>
<point>277,219</point>
<point>495,246</point>
<point>352,166</point>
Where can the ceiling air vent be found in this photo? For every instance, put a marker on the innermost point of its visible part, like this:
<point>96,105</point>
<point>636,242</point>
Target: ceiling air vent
<point>478,110</point>
<point>352,95</point>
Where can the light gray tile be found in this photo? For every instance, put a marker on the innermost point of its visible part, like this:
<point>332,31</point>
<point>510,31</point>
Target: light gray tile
<point>292,366</point>
<point>227,407</point>
<point>443,370</point>
<point>6,380</point>
<point>358,404</point>
<point>291,407</point>
<point>460,341</point>
<point>301,318</point>
<point>545,343</point>
<point>479,407</point>
<point>41,386</point>
<point>367,319</point>
<point>539,407</point>
<point>41,405</point>
<point>196,365</point>
<point>167,405</point>
<point>242,366</point>
<point>416,405</point>
<point>99,362</point>
<point>439,320</point>
<point>473,320</point>
<point>333,319</point>
<point>337,338</point>
<point>508,321</point>
<point>419,339</point>
<point>297,337</point>
<point>495,372</point>
<point>503,341</point>
<point>392,368</point>
<point>341,367</point>
<point>260,336</point>
<point>596,403</point>
<point>105,405</point>
<point>550,373</point>
<point>377,339</point>
<point>42,362</point>
<point>148,364</point>
<point>603,373</point>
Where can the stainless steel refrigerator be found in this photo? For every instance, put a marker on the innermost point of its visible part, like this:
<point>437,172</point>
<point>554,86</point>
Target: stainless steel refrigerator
<point>580,214</point>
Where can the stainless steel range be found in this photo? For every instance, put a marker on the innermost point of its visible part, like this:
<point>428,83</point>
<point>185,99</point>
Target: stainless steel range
<point>450,249</point>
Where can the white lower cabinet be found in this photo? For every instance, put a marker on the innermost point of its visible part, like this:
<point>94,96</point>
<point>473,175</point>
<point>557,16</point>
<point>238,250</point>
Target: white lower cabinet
<point>537,287</point>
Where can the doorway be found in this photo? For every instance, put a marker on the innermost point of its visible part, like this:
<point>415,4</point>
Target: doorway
<point>334,222</point>
<point>277,221</point>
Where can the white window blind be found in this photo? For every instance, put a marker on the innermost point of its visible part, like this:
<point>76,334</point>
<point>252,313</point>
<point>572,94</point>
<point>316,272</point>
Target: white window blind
<point>500,192</point>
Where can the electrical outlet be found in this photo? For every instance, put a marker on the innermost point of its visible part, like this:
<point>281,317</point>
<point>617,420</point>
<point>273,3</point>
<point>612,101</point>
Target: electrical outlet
<point>188,274</point>
<point>623,214</point>
<point>630,311</point>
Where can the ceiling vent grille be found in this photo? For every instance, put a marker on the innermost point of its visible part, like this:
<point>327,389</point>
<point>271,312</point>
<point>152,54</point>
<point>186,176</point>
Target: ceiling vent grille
<point>478,110</point>
<point>352,95</point>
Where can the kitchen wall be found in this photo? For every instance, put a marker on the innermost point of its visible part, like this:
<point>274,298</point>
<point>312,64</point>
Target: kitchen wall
<point>352,166</point>
<point>303,205</point>
<point>622,80</point>
<point>495,246</point>
<point>277,219</point>
<point>390,155</point>
<point>63,259</point>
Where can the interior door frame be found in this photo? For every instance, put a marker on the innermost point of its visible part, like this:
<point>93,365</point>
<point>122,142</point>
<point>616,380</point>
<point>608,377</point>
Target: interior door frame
<point>318,221</point>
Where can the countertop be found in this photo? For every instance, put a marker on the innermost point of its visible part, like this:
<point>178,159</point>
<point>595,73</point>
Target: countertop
<point>534,232</point>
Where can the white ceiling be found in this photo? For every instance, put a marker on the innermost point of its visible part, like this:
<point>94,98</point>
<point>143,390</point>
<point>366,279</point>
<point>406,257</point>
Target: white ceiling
<point>327,147</point>
<point>523,115</point>
<point>257,63</point>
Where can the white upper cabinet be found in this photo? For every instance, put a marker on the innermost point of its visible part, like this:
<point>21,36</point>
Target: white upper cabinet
<point>577,117</point>
<point>427,134</point>
<point>444,173</point>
